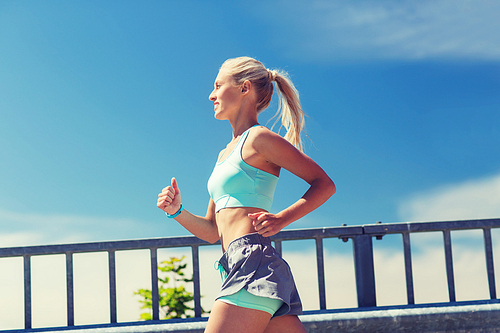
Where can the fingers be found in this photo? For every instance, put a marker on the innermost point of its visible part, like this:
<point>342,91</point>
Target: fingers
<point>259,216</point>
<point>169,200</point>
<point>265,223</point>
<point>166,197</point>
<point>258,219</point>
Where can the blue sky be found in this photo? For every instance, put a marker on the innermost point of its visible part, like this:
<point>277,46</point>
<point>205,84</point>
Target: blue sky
<point>102,102</point>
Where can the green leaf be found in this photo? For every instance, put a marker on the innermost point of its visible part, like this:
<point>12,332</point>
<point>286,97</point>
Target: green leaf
<point>172,298</point>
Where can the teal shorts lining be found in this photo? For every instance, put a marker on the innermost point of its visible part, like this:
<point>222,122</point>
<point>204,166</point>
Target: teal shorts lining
<point>247,300</point>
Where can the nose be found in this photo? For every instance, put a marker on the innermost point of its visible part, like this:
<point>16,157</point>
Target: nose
<point>212,96</point>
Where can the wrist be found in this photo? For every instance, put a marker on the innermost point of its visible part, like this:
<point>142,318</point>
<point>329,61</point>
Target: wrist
<point>283,218</point>
<point>171,216</point>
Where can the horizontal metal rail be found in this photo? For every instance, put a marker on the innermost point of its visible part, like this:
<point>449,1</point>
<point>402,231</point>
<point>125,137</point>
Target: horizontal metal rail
<point>362,250</point>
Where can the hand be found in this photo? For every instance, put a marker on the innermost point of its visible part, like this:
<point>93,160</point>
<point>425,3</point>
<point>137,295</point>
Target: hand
<point>266,224</point>
<point>169,200</point>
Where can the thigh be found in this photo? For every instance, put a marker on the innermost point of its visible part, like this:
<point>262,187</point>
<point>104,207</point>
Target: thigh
<point>231,318</point>
<point>285,324</point>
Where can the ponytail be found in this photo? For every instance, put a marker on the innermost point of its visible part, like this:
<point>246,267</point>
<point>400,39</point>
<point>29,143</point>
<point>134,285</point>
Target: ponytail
<point>289,108</point>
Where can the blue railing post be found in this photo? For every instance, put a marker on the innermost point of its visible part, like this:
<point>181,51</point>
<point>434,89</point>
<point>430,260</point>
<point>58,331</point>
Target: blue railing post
<point>488,249</point>
<point>112,286</point>
<point>364,270</point>
<point>155,296</point>
<point>70,299</point>
<point>449,265</point>
<point>196,280</point>
<point>27,291</point>
<point>410,293</point>
<point>320,261</point>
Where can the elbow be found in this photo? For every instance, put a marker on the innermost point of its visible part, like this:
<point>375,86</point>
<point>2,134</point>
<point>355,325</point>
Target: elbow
<point>325,187</point>
<point>331,187</point>
<point>209,239</point>
<point>212,237</point>
<point>213,240</point>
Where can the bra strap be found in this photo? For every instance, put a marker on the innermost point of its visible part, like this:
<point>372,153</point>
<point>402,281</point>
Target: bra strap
<point>243,138</point>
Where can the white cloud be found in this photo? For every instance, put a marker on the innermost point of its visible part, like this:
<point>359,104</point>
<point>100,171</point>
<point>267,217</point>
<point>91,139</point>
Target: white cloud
<point>345,30</point>
<point>25,229</point>
<point>472,199</point>
<point>48,290</point>
<point>10,239</point>
<point>429,273</point>
<point>11,289</point>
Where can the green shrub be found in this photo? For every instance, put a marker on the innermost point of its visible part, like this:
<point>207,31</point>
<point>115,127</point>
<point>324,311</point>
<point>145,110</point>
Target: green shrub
<point>173,297</point>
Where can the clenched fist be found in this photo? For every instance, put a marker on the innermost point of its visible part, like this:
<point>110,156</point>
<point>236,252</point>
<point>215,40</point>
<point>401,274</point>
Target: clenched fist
<point>169,200</point>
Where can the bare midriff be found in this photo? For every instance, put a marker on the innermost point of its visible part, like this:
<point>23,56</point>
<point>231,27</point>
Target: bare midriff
<point>234,222</point>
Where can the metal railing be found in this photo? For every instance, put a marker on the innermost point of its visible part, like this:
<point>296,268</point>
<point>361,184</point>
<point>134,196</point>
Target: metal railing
<point>362,252</point>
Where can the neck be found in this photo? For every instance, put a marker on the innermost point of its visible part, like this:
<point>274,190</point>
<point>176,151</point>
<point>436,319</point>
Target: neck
<point>244,118</point>
<point>241,125</point>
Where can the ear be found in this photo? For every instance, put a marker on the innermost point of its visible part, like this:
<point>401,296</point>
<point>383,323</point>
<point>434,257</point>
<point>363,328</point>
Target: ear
<point>246,87</point>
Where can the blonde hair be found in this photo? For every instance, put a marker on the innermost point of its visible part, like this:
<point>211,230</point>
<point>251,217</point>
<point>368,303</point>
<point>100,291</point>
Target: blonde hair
<point>292,117</point>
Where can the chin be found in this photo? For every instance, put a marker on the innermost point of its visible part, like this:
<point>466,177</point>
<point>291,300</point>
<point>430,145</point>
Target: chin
<point>218,116</point>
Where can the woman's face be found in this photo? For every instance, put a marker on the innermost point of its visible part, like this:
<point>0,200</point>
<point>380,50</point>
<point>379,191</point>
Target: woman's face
<point>226,96</point>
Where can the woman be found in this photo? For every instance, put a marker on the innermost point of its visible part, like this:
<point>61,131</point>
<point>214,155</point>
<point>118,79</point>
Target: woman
<point>258,293</point>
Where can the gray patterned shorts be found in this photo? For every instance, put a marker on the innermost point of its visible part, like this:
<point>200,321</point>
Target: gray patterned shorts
<point>252,263</point>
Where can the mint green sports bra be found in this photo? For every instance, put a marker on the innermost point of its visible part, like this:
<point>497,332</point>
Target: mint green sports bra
<point>235,183</point>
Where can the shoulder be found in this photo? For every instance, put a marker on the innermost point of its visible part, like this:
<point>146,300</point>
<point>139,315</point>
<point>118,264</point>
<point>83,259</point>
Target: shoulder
<point>262,135</point>
<point>221,153</point>
<point>269,143</point>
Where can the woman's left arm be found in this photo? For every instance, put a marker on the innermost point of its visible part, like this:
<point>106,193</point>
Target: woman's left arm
<point>273,148</point>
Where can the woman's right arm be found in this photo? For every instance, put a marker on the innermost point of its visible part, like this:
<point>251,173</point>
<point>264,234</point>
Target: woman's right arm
<point>169,200</point>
